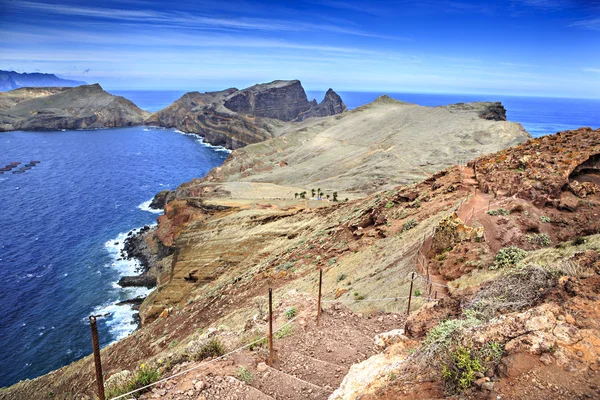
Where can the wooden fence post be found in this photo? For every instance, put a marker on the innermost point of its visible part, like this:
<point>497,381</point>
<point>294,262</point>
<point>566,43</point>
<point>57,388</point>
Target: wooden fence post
<point>270,327</point>
<point>319,299</point>
<point>410,293</point>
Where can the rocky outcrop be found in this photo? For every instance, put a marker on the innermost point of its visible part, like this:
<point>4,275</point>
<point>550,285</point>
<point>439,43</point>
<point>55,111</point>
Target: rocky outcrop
<point>332,104</point>
<point>540,170</point>
<point>83,107</point>
<point>10,80</point>
<point>160,200</point>
<point>235,118</point>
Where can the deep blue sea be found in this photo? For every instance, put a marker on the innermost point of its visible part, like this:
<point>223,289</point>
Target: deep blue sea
<point>62,222</point>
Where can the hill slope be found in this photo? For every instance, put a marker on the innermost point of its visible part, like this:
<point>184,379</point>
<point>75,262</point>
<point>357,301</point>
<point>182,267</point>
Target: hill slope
<point>82,107</point>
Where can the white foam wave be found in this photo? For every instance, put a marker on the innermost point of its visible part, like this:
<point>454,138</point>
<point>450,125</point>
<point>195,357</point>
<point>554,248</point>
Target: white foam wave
<point>145,206</point>
<point>200,140</point>
<point>120,323</point>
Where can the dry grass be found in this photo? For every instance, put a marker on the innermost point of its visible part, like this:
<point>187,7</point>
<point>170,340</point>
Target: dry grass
<point>515,290</point>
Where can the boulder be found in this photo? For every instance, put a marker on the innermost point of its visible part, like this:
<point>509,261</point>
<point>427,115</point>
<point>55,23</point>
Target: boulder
<point>386,339</point>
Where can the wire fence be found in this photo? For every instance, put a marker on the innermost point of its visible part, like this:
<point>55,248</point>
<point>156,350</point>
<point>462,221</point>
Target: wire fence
<point>205,363</point>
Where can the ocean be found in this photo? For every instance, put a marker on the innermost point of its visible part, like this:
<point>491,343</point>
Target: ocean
<point>63,222</point>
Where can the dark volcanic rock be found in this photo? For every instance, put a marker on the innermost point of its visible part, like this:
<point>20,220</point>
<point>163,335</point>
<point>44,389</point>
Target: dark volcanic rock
<point>235,118</point>
<point>134,303</point>
<point>159,201</point>
<point>332,104</point>
<point>138,281</point>
<point>494,112</point>
<point>282,100</point>
<point>82,107</point>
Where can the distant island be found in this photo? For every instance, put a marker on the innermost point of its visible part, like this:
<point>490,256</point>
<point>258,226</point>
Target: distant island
<point>10,80</point>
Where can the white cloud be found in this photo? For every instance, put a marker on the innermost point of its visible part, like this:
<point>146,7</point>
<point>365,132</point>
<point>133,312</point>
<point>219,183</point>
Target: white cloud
<point>590,24</point>
<point>196,20</point>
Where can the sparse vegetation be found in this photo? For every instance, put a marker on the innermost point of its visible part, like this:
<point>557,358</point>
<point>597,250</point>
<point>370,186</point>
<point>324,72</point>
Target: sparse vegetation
<point>541,239</point>
<point>517,290</point>
<point>499,211</point>
<point>290,313</point>
<point>335,196</point>
<point>285,266</point>
<point>341,277</point>
<point>417,293</point>
<point>408,225</point>
<point>508,257</point>
<point>285,331</point>
<point>579,241</point>
<point>144,376</point>
<point>442,335</point>
<point>244,374</point>
<point>545,219</point>
<point>390,204</point>
<point>173,343</point>
<point>212,348</point>
<point>459,372</point>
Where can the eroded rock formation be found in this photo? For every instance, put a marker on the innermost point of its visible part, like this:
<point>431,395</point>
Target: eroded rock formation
<point>235,118</point>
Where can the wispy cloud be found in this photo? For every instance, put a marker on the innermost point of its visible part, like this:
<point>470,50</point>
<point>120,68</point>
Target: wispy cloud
<point>595,70</point>
<point>194,20</point>
<point>590,24</point>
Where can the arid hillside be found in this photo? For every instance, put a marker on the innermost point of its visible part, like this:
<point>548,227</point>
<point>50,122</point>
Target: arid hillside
<point>505,299</point>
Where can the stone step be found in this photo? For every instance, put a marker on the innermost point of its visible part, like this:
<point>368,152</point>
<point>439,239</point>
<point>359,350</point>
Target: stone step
<point>282,386</point>
<point>310,369</point>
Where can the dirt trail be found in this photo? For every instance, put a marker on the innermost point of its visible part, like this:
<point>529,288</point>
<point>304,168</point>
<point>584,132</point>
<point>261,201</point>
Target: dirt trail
<point>310,361</point>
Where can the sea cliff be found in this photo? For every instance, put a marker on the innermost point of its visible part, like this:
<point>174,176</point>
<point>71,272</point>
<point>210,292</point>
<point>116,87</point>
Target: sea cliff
<point>235,118</point>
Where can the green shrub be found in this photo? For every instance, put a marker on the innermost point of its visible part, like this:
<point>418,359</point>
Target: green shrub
<point>500,211</point>
<point>442,335</point>
<point>408,225</point>
<point>332,260</point>
<point>285,266</point>
<point>143,377</point>
<point>545,219</point>
<point>173,343</point>
<point>541,239</point>
<point>390,204</point>
<point>459,372</point>
<point>212,348</point>
<point>508,257</point>
<point>244,374</point>
<point>417,293</point>
<point>286,331</point>
<point>290,313</point>
<point>341,277</point>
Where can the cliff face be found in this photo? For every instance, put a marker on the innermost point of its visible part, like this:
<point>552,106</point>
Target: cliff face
<point>10,80</point>
<point>235,118</point>
<point>83,107</point>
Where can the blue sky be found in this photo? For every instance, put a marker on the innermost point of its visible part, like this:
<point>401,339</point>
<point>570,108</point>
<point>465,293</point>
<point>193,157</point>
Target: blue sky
<point>523,47</point>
